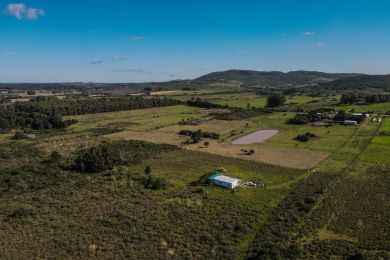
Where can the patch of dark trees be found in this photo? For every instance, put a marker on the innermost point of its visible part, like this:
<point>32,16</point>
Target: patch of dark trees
<point>189,89</point>
<point>196,136</point>
<point>47,112</point>
<point>305,137</point>
<point>204,104</point>
<point>10,119</point>
<point>107,155</point>
<point>90,105</point>
<point>301,119</point>
<point>276,100</point>
<point>352,98</point>
<point>316,115</point>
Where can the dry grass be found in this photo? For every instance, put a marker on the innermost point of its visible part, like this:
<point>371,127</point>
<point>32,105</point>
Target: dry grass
<point>291,158</point>
<point>152,136</point>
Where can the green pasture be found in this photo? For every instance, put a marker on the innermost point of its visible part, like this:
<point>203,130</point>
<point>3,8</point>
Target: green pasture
<point>375,108</point>
<point>379,149</point>
<point>138,120</point>
<point>329,138</point>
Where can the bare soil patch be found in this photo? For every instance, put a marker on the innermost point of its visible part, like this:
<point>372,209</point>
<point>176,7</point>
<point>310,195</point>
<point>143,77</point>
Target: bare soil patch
<point>256,137</point>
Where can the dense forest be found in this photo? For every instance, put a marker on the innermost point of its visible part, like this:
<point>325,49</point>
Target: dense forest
<point>203,104</point>
<point>89,105</point>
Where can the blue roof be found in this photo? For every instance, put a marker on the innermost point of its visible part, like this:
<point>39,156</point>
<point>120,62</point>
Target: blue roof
<point>215,175</point>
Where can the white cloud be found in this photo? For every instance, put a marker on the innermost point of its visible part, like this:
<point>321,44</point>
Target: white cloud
<point>20,11</point>
<point>118,58</point>
<point>33,13</point>
<point>136,38</point>
<point>309,33</point>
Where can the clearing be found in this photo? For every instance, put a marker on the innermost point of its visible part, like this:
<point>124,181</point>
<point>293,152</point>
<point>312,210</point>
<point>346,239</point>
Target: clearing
<point>256,137</point>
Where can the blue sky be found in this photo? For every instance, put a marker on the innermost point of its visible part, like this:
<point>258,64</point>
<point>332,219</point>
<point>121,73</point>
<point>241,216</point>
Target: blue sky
<point>151,40</point>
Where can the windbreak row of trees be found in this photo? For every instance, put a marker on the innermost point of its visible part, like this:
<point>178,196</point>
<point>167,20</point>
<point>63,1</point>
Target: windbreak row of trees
<point>352,98</point>
<point>90,105</point>
<point>46,113</point>
<point>19,120</point>
<point>204,104</point>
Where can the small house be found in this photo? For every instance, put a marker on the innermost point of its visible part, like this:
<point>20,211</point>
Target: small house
<point>224,181</point>
<point>350,122</point>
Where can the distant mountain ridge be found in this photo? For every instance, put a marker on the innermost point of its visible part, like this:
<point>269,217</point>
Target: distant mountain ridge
<point>273,78</point>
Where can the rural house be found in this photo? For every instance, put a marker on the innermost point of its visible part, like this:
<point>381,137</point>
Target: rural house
<point>224,181</point>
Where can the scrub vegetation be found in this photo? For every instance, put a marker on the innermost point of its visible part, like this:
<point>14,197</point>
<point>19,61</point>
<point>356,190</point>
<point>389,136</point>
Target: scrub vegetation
<point>121,171</point>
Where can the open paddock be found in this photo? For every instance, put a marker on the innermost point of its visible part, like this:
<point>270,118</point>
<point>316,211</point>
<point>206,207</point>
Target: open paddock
<point>139,120</point>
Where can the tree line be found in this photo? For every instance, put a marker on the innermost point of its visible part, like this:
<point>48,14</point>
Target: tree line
<point>352,98</point>
<point>90,106</point>
<point>46,113</point>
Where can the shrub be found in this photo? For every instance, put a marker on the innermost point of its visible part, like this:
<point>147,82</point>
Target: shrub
<point>276,100</point>
<point>154,183</point>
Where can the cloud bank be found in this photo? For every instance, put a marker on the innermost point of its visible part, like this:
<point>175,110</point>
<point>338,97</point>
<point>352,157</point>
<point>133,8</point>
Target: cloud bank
<point>20,11</point>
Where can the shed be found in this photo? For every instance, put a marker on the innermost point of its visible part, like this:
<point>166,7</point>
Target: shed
<point>350,122</point>
<point>224,181</point>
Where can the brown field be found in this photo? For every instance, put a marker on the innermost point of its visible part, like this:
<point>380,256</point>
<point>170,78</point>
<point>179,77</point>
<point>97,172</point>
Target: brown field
<point>292,158</point>
<point>161,93</point>
<point>151,136</point>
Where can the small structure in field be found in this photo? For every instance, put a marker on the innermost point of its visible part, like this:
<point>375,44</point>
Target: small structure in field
<point>350,122</point>
<point>224,181</point>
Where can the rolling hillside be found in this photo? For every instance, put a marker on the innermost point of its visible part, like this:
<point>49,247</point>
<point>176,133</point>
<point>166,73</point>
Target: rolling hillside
<point>361,82</point>
<point>273,78</point>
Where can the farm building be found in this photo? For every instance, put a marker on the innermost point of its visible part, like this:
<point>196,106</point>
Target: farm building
<point>350,122</point>
<point>224,181</point>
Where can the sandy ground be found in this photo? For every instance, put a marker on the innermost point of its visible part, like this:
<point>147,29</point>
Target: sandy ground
<point>256,137</point>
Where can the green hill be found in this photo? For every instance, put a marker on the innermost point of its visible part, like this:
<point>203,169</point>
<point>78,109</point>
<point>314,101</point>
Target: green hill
<point>273,78</point>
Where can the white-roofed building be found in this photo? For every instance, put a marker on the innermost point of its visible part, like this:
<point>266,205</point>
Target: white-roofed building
<point>225,181</point>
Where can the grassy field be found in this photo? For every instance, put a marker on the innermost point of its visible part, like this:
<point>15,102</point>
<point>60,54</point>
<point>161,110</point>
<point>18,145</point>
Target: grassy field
<point>160,126</point>
<point>329,137</point>
<point>377,108</point>
<point>233,97</point>
<point>138,120</point>
<point>379,149</point>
